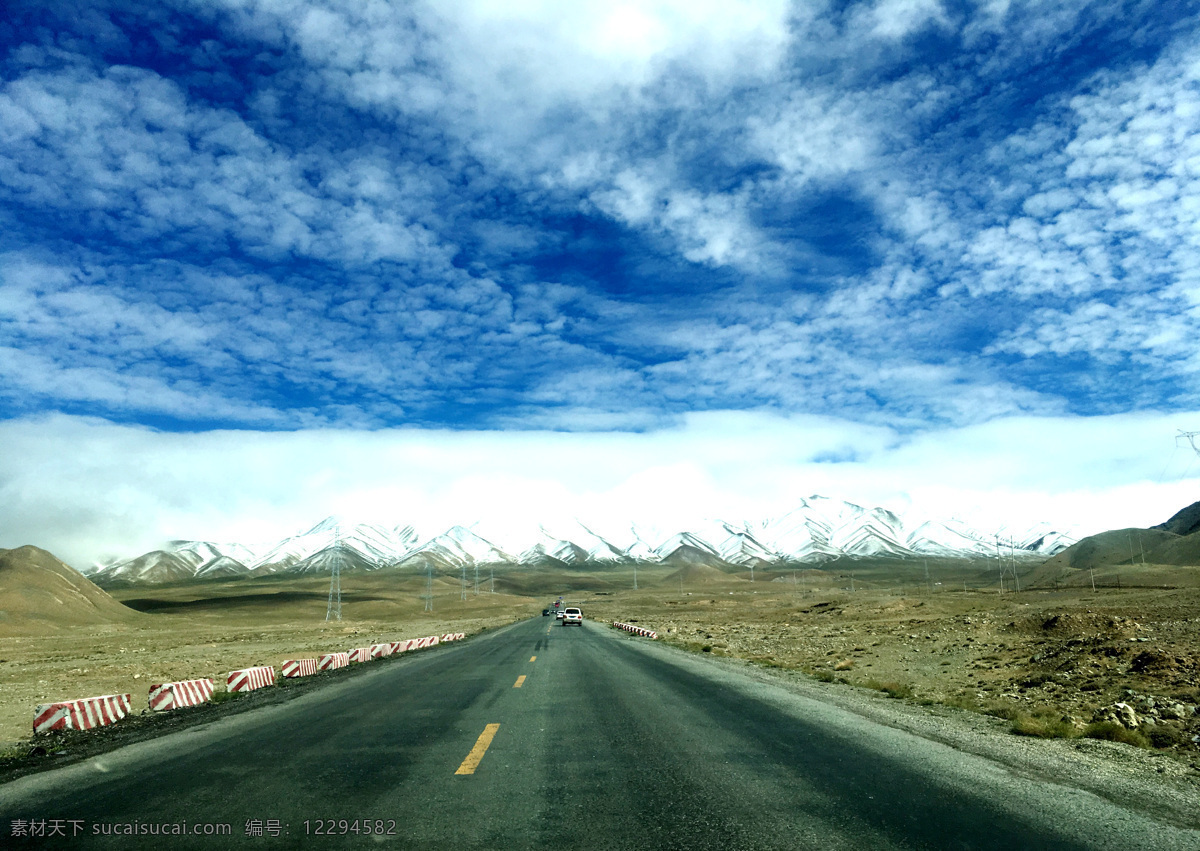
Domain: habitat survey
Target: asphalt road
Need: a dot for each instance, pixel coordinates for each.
(543, 736)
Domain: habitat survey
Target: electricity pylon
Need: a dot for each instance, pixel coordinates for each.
(428, 595)
(334, 610)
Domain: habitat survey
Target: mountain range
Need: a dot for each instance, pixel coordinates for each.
(819, 529)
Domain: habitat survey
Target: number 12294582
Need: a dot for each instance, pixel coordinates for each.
(344, 827)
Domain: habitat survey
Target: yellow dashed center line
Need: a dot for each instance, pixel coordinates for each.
(533, 658)
(520, 681)
(472, 761)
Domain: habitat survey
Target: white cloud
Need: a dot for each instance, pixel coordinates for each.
(896, 19)
(129, 146)
(125, 489)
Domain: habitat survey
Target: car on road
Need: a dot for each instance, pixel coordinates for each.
(572, 616)
(559, 614)
(545, 612)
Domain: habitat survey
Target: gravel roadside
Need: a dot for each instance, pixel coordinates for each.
(1133, 778)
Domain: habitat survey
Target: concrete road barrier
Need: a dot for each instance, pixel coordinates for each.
(249, 679)
(379, 651)
(636, 630)
(176, 695)
(333, 661)
(299, 667)
(83, 714)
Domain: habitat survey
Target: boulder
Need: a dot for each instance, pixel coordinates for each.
(1120, 713)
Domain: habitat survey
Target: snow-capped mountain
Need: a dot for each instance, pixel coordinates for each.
(818, 529)
(376, 544)
(458, 546)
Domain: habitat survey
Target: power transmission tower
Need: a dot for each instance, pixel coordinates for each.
(428, 595)
(333, 611)
(1190, 437)
(1000, 562)
(464, 581)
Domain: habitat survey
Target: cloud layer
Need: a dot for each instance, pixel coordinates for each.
(123, 490)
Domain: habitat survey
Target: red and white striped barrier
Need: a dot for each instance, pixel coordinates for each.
(83, 714)
(180, 694)
(636, 630)
(298, 667)
(427, 641)
(454, 636)
(378, 651)
(359, 654)
(333, 661)
(398, 646)
(248, 679)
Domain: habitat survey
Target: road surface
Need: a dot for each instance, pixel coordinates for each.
(544, 736)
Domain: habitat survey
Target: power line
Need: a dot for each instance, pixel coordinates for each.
(333, 611)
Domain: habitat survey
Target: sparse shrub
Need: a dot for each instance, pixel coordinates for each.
(707, 648)
(822, 675)
(891, 689)
(770, 662)
(1043, 728)
(1003, 710)
(844, 665)
(1166, 736)
(226, 696)
(963, 701)
(1111, 731)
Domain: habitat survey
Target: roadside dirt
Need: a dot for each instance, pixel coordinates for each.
(1049, 662)
(205, 631)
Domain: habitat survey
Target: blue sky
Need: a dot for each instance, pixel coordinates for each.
(906, 217)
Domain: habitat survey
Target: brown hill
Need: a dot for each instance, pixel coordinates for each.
(1183, 522)
(39, 592)
(694, 574)
(1184, 550)
(1119, 547)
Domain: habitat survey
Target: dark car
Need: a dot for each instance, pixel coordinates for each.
(545, 612)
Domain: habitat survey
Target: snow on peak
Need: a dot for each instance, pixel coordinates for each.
(818, 528)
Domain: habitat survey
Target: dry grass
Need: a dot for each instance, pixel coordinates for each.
(1112, 732)
(206, 630)
(891, 689)
(1042, 659)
